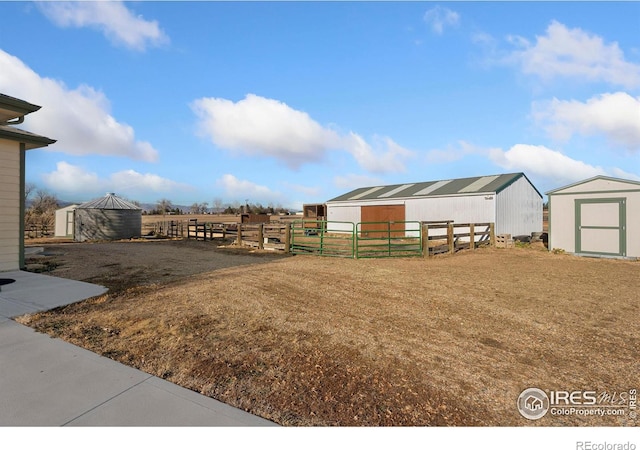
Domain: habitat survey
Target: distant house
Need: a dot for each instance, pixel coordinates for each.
(14, 142)
(508, 200)
(599, 216)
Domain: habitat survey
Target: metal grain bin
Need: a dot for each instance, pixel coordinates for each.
(107, 218)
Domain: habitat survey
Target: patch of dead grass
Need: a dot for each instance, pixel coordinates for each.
(314, 341)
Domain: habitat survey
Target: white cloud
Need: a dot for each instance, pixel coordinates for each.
(353, 181)
(262, 126)
(439, 17)
(616, 116)
(309, 191)
(71, 179)
(131, 180)
(542, 162)
(619, 173)
(244, 189)
(267, 127)
(574, 53)
(113, 18)
(452, 153)
(387, 156)
(78, 118)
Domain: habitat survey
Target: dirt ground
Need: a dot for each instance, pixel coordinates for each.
(306, 340)
(126, 264)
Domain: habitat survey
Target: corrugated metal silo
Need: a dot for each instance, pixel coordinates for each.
(108, 218)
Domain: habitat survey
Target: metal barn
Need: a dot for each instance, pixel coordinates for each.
(508, 200)
(599, 216)
(107, 218)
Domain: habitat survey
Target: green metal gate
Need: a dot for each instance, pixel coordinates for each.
(388, 239)
(361, 240)
(319, 237)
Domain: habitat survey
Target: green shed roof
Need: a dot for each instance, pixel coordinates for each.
(459, 186)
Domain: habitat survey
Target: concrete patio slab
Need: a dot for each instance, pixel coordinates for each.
(49, 382)
(32, 292)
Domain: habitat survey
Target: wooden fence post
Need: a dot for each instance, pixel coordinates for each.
(450, 241)
(425, 240)
(239, 238)
(492, 234)
(472, 237)
(287, 238)
(261, 236)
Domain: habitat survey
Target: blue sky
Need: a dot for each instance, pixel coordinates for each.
(298, 102)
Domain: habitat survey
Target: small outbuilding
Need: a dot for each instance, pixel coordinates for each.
(599, 216)
(508, 200)
(107, 218)
(65, 221)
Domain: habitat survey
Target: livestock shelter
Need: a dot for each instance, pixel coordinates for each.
(599, 216)
(14, 142)
(65, 221)
(107, 218)
(508, 200)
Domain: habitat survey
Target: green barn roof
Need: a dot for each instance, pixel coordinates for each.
(489, 184)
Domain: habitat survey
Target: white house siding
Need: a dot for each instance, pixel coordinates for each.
(518, 209)
(9, 205)
(562, 210)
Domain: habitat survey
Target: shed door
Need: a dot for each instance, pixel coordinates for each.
(382, 213)
(601, 226)
(69, 230)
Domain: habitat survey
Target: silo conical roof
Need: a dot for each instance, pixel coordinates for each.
(109, 201)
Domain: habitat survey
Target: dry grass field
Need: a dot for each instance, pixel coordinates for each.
(305, 340)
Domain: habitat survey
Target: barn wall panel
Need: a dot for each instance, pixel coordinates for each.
(518, 209)
(467, 209)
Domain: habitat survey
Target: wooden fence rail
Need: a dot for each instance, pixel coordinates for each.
(457, 236)
(437, 237)
(34, 231)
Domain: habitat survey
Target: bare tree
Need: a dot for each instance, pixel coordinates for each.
(217, 205)
(164, 206)
(42, 210)
(199, 208)
(29, 188)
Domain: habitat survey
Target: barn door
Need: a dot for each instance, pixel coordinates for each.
(601, 227)
(372, 216)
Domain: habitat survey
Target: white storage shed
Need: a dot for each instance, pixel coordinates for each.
(599, 216)
(64, 221)
(508, 200)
